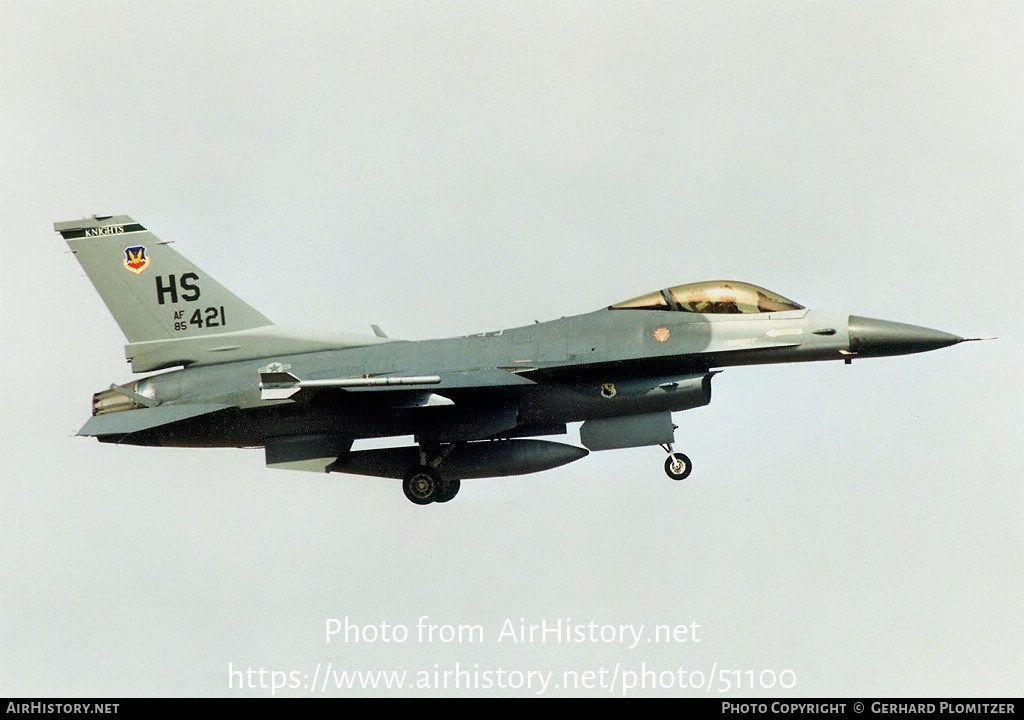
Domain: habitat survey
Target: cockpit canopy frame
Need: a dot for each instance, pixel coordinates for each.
(712, 297)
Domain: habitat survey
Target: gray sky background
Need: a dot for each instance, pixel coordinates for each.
(446, 168)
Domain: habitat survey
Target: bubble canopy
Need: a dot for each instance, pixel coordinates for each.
(718, 297)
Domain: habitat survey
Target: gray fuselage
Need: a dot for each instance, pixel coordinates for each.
(560, 371)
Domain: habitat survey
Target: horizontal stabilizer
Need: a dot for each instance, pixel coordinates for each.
(132, 421)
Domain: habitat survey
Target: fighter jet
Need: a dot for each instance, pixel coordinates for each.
(475, 406)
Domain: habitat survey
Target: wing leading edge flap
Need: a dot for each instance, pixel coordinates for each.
(132, 421)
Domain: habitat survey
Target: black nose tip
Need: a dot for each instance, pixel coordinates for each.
(873, 338)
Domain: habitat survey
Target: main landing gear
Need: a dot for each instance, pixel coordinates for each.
(423, 484)
(677, 465)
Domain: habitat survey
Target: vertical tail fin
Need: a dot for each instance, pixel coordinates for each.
(153, 292)
(172, 312)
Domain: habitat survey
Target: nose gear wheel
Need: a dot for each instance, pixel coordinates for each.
(677, 465)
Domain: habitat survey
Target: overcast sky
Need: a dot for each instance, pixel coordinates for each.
(449, 167)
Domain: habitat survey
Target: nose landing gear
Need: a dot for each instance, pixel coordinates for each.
(677, 465)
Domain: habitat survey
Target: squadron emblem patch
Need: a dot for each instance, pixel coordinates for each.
(608, 391)
(661, 334)
(135, 259)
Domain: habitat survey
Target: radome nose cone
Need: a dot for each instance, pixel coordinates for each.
(871, 337)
